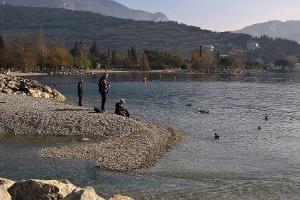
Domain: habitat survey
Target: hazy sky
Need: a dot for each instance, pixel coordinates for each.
(221, 15)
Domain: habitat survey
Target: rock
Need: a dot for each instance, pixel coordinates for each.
(12, 85)
(45, 95)
(47, 89)
(36, 93)
(41, 189)
(85, 139)
(58, 96)
(2, 85)
(121, 197)
(4, 185)
(7, 91)
(87, 193)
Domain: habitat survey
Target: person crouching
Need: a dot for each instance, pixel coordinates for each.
(120, 109)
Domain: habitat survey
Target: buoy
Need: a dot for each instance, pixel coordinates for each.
(217, 136)
(266, 118)
(259, 128)
(145, 80)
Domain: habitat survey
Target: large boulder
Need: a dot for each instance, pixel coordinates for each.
(58, 96)
(87, 193)
(41, 189)
(121, 197)
(4, 185)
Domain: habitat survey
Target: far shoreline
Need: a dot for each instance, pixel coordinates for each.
(94, 72)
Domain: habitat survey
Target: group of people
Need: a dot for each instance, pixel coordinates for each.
(103, 89)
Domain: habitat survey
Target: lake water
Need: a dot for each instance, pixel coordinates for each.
(246, 163)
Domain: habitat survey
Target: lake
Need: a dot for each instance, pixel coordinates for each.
(246, 163)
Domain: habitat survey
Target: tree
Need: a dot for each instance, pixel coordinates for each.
(292, 60)
(81, 55)
(95, 55)
(39, 45)
(58, 57)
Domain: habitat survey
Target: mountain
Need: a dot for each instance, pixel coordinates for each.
(67, 27)
(104, 7)
(288, 30)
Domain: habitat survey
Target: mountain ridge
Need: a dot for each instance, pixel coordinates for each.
(104, 7)
(278, 29)
(67, 27)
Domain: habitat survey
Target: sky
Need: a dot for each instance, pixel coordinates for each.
(221, 15)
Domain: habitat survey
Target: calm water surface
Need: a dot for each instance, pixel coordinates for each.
(244, 164)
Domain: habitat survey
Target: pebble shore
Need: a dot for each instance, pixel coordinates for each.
(115, 142)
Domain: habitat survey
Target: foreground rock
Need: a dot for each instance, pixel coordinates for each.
(10, 85)
(48, 190)
(4, 185)
(116, 143)
(82, 194)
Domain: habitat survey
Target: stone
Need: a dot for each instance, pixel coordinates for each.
(87, 193)
(4, 185)
(121, 197)
(41, 189)
(36, 93)
(7, 91)
(85, 139)
(47, 89)
(12, 85)
(45, 95)
(58, 96)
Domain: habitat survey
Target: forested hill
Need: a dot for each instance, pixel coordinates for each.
(67, 27)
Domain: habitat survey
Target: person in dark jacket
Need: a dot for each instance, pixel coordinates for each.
(80, 91)
(24, 88)
(120, 109)
(103, 90)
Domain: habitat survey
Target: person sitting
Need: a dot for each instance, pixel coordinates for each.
(120, 109)
(24, 88)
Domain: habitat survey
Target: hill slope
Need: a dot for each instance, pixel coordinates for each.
(105, 7)
(288, 30)
(67, 27)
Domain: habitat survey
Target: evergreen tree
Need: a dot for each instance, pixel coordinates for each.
(95, 54)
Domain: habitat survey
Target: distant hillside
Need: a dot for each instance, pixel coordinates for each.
(104, 7)
(288, 30)
(67, 27)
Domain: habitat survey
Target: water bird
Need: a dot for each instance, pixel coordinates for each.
(266, 118)
(189, 105)
(204, 111)
(217, 136)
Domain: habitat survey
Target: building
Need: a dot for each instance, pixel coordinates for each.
(252, 46)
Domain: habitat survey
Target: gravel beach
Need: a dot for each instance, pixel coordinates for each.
(116, 143)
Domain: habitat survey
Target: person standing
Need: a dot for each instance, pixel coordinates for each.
(80, 91)
(103, 90)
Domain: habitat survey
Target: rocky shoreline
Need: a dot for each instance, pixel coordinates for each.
(48, 190)
(10, 85)
(112, 142)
